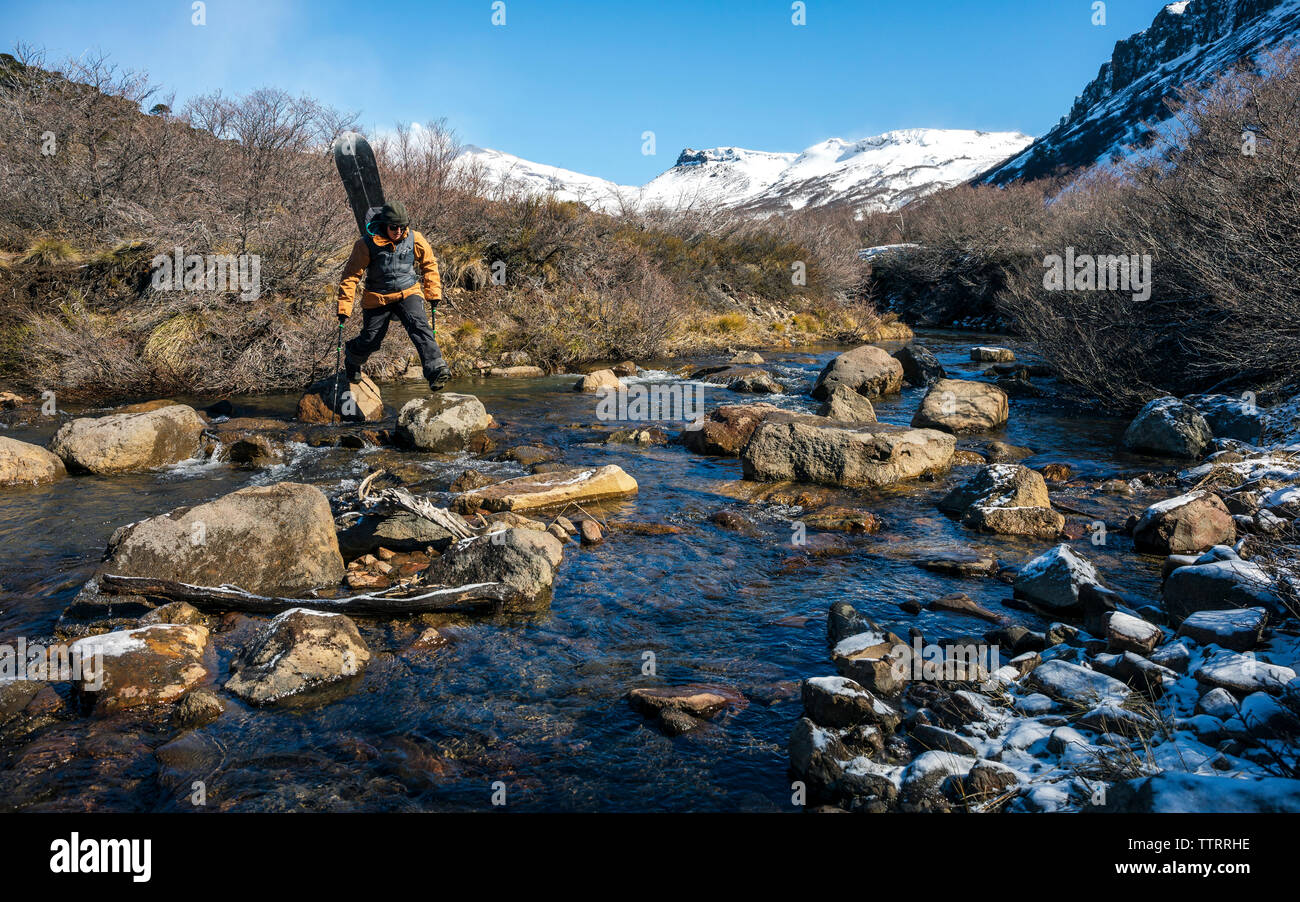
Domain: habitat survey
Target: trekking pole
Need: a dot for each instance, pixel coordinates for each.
(338, 359)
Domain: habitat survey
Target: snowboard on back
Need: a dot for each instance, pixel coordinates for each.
(356, 164)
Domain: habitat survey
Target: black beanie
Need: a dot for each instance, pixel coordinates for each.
(393, 214)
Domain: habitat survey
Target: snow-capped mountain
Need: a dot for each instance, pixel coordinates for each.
(1189, 41)
(517, 176)
(879, 173)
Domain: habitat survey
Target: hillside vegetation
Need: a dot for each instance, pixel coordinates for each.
(1212, 199)
(102, 175)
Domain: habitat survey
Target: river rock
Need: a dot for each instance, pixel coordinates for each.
(298, 650)
(357, 402)
(739, 379)
(1230, 417)
(272, 540)
(1007, 499)
(678, 710)
(1178, 792)
(1236, 629)
(875, 660)
(22, 463)
(840, 702)
(600, 380)
(444, 422)
(794, 448)
(125, 442)
(1169, 428)
(199, 708)
(844, 405)
(1242, 674)
(516, 372)
(747, 358)
(867, 370)
(1053, 579)
(1124, 632)
(961, 406)
(986, 354)
(1211, 585)
(726, 430)
(576, 485)
(523, 560)
(144, 666)
(1190, 523)
(920, 366)
(402, 531)
(1077, 685)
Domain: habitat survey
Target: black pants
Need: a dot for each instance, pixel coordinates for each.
(374, 326)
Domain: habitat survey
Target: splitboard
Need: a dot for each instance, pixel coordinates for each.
(356, 164)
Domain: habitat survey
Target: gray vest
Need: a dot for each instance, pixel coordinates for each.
(392, 266)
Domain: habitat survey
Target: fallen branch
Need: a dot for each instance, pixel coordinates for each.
(471, 597)
(405, 500)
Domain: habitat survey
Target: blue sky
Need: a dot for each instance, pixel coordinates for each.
(575, 83)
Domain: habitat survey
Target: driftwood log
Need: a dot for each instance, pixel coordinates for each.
(478, 597)
(391, 499)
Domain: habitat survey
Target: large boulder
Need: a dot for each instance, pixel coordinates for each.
(523, 560)
(334, 399)
(1230, 417)
(148, 665)
(1007, 499)
(577, 485)
(273, 540)
(1053, 579)
(868, 370)
(124, 442)
(298, 650)
(726, 430)
(1190, 523)
(445, 422)
(1213, 585)
(794, 448)
(22, 463)
(1169, 428)
(920, 366)
(961, 406)
(844, 405)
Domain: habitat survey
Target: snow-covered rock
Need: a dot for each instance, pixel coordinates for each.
(1238, 629)
(1168, 427)
(1053, 579)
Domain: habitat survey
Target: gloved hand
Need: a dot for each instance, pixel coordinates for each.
(343, 318)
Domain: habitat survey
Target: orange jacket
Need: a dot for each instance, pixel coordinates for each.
(430, 284)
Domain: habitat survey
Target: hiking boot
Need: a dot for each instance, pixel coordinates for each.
(439, 380)
(354, 373)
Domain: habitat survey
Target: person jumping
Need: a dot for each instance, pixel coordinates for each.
(401, 274)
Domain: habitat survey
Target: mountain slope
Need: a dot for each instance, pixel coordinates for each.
(1188, 41)
(879, 173)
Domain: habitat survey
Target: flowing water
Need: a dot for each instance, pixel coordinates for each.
(537, 705)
